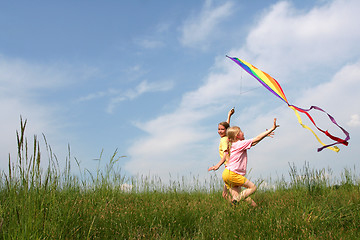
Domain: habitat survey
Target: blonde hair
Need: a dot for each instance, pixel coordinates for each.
(232, 132)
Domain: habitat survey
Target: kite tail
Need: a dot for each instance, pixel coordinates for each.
(329, 146)
(273, 86)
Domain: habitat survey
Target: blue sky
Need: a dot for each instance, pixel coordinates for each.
(150, 79)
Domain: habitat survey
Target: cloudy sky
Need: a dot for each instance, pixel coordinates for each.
(150, 79)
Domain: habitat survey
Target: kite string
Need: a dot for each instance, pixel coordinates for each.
(242, 85)
(240, 89)
(241, 82)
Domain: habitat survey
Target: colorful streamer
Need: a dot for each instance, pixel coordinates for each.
(273, 86)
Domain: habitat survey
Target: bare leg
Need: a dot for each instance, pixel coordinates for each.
(251, 202)
(235, 192)
(226, 194)
(244, 195)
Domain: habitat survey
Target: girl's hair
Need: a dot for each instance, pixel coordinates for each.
(232, 132)
(225, 124)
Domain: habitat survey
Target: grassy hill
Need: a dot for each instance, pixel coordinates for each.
(38, 203)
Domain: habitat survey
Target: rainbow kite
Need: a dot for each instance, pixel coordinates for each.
(273, 86)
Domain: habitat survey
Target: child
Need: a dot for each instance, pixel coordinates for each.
(222, 127)
(234, 172)
(224, 142)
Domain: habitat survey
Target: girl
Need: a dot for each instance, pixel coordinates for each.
(224, 144)
(235, 170)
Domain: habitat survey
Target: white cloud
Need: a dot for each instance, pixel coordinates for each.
(21, 82)
(162, 27)
(140, 89)
(116, 96)
(145, 87)
(149, 43)
(301, 41)
(20, 78)
(173, 140)
(155, 39)
(97, 95)
(285, 41)
(198, 30)
(354, 120)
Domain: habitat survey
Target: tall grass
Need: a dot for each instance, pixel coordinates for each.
(42, 201)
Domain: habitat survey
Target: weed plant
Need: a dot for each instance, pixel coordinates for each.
(50, 203)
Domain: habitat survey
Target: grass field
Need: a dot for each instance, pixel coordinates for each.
(38, 203)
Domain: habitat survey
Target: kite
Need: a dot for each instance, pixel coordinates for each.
(273, 86)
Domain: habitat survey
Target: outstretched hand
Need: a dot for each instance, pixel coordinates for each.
(213, 168)
(275, 125)
(270, 134)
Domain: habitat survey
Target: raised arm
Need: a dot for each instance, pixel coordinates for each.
(261, 136)
(231, 112)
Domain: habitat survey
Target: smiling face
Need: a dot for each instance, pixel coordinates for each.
(221, 130)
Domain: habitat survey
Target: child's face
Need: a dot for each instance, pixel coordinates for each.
(241, 136)
(221, 130)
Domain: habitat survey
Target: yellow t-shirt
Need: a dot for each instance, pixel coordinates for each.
(223, 146)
